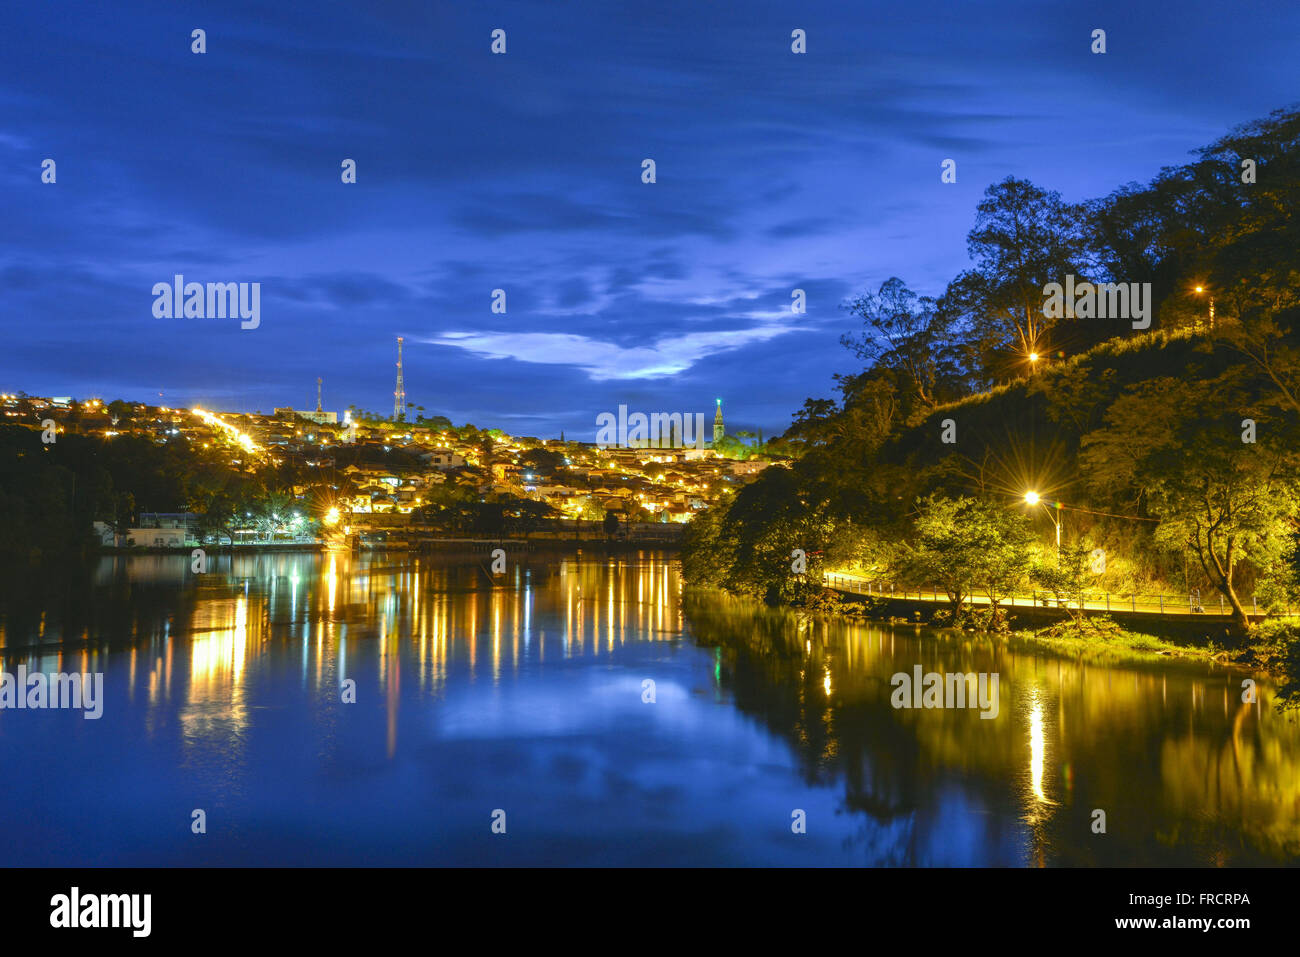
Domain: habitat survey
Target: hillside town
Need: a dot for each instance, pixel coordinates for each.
(323, 471)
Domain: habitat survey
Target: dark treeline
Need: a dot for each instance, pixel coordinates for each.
(52, 493)
(1173, 448)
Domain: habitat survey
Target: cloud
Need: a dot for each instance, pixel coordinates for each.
(603, 360)
(349, 290)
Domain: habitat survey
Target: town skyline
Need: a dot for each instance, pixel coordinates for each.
(416, 414)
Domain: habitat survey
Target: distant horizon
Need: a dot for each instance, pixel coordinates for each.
(214, 408)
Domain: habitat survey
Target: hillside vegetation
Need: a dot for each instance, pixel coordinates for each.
(1173, 450)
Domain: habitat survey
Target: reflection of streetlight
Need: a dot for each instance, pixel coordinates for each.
(1032, 498)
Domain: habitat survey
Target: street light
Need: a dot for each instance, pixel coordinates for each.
(1200, 290)
(1032, 498)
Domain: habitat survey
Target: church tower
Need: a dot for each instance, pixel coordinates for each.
(718, 430)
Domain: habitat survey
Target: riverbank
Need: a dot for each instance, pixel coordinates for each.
(1106, 642)
(1271, 650)
(481, 547)
(449, 546)
(111, 550)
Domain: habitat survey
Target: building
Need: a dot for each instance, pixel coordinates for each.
(441, 459)
(164, 529)
(319, 417)
(156, 537)
(718, 430)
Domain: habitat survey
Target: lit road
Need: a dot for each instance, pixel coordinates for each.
(1166, 605)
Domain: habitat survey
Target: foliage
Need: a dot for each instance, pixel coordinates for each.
(1174, 448)
(1229, 503)
(905, 334)
(965, 544)
(1067, 579)
(1277, 647)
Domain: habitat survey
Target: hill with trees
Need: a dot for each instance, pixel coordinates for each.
(1173, 450)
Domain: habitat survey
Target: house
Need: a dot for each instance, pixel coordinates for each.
(156, 537)
(176, 528)
(443, 459)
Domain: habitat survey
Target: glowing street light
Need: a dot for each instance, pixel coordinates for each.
(1200, 290)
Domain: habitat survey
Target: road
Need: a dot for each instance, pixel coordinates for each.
(1174, 606)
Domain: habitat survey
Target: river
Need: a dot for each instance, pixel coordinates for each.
(590, 709)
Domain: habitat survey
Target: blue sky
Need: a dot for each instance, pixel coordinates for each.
(523, 172)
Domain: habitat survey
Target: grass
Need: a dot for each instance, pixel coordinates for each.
(1101, 638)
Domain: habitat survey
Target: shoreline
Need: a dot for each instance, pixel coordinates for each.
(1103, 640)
(443, 546)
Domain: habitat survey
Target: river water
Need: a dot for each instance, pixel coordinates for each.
(511, 719)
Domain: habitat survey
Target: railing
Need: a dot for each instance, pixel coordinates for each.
(1104, 601)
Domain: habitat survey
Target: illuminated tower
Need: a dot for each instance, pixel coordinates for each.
(318, 408)
(399, 395)
(718, 430)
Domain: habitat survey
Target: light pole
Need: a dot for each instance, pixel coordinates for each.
(1032, 498)
(1199, 291)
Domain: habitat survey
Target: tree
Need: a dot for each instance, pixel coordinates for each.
(814, 423)
(964, 543)
(120, 412)
(706, 555)
(1269, 339)
(1067, 579)
(1230, 504)
(543, 461)
(439, 422)
(1024, 237)
(906, 334)
(1006, 557)
(524, 516)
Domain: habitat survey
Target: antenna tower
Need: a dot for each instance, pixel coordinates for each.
(399, 395)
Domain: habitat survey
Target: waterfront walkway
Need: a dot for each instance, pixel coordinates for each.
(1157, 606)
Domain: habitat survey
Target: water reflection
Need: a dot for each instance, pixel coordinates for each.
(1179, 781)
(478, 688)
